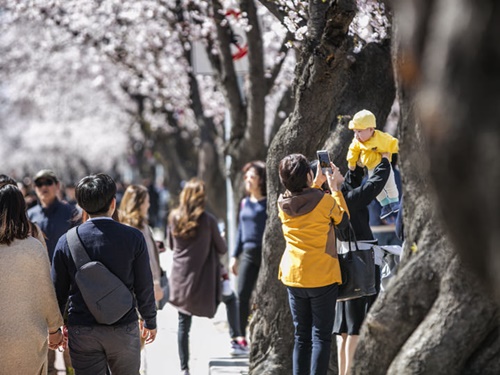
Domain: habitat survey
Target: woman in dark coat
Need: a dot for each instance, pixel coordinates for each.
(194, 237)
(349, 315)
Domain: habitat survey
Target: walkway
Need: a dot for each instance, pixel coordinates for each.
(209, 347)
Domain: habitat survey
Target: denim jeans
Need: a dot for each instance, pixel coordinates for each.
(183, 339)
(313, 314)
(233, 318)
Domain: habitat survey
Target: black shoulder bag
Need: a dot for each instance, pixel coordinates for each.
(358, 272)
(105, 295)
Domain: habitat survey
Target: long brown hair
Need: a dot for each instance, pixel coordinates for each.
(130, 207)
(184, 219)
(13, 220)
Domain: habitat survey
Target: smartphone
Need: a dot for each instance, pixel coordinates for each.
(324, 161)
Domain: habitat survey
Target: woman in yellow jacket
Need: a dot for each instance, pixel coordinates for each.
(309, 266)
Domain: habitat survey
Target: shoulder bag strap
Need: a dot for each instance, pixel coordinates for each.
(80, 256)
(351, 231)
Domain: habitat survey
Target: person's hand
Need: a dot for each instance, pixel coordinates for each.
(234, 265)
(335, 179)
(320, 178)
(55, 339)
(148, 334)
(386, 155)
(158, 292)
(64, 344)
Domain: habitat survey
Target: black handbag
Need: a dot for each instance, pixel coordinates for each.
(358, 272)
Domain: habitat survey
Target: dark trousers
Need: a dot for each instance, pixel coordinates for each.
(313, 313)
(96, 349)
(51, 360)
(247, 277)
(183, 339)
(232, 311)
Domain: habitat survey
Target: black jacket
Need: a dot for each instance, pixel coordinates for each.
(122, 249)
(358, 196)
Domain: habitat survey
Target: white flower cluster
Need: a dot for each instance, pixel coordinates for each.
(370, 25)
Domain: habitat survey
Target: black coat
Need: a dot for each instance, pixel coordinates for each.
(358, 196)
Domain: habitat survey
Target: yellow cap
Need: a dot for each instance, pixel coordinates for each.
(363, 120)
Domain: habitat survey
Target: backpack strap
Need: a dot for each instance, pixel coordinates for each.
(80, 256)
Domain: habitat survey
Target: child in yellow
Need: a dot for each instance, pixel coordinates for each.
(366, 150)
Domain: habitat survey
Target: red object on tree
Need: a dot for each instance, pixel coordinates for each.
(241, 51)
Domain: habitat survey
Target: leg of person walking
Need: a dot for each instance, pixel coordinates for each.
(247, 277)
(238, 344)
(232, 311)
(87, 355)
(122, 345)
(51, 362)
(323, 302)
(300, 309)
(341, 352)
(183, 339)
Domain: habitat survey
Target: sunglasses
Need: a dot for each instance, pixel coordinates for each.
(44, 183)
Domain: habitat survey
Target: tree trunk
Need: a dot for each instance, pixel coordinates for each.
(327, 85)
(437, 316)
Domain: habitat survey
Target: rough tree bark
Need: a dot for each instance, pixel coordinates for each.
(438, 317)
(327, 85)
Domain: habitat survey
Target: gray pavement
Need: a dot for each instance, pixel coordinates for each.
(209, 347)
(209, 343)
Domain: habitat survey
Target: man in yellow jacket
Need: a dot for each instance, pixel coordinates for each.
(309, 266)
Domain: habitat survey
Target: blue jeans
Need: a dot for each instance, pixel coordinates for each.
(313, 314)
(183, 339)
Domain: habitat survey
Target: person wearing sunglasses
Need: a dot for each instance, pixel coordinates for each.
(54, 218)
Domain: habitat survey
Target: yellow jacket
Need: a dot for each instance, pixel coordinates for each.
(370, 152)
(310, 257)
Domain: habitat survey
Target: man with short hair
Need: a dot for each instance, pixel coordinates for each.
(52, 216)
(94, 347)
(54, 219)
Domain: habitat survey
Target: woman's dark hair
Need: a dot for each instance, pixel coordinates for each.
(13, 220)
(294, 170)
(4, 179)
(95, 193)
(260, 168)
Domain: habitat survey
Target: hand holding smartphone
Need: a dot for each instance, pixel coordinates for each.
(324, 161)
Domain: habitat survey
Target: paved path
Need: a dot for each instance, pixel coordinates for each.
(209, 343)
(209, 347)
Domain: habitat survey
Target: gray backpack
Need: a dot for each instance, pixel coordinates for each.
(105, 295)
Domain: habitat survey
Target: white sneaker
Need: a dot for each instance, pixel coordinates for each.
(237, 350)
(226, 288)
